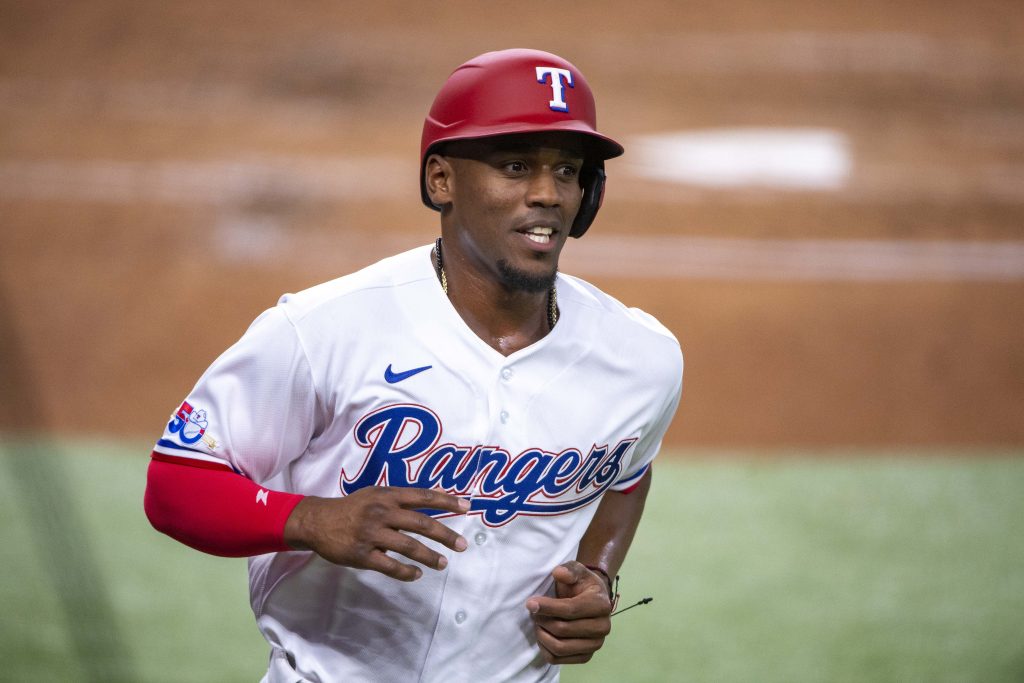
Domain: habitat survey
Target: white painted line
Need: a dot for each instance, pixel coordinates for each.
(197, 182)
(112, 101)
(780, 158)
(678, 257)
(815, 52)
(229, 185)
(666, 257)
(239, 181)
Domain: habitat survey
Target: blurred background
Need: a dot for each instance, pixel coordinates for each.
(823, 201)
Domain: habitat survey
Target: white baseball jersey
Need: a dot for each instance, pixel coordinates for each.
(374, 379)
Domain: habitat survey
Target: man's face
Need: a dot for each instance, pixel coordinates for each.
(513, 202)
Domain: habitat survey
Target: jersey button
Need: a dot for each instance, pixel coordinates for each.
(507, 373)
(460, 616)
(504, 416)
(480, 538)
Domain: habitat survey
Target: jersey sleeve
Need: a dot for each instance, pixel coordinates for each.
(649, 444)
(254, 409)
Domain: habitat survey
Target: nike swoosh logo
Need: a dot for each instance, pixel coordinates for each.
(392, 377)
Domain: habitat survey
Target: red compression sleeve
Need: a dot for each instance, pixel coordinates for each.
(210, 508)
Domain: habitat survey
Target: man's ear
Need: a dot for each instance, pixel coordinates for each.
(437, 176)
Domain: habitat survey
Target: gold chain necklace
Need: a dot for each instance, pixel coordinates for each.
(552, 293)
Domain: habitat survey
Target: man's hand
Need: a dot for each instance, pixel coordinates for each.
(357, 530)
(571, 626)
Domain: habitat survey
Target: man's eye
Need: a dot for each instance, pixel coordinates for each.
(515, 167)
(568, 171)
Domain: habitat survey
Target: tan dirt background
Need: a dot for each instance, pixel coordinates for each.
(167, 170)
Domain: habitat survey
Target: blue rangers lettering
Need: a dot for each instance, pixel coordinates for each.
(402, 450)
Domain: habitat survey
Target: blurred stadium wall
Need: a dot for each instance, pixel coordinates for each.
(823, 201)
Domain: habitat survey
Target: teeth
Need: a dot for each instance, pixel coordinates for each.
(540, 234)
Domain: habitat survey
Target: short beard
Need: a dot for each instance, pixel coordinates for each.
(520, 281)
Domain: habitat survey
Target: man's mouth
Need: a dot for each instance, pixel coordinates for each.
(539, 234)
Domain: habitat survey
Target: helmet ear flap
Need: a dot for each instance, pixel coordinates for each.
(592, 179)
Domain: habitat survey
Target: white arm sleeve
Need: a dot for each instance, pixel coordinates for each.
(650, 443)
(254, 407)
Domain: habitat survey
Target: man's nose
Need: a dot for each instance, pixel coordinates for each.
(543, 189)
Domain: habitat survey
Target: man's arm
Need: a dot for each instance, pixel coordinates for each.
(571, 626)
(211, 508)
(611, 532)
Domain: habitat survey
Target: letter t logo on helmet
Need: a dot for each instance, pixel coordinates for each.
(496, 94)
(559, 79)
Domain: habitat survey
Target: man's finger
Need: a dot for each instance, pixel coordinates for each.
(379, 561)
(569, 648)
(419, 523)
(429, 499)
(407, 546)
(595, 627)
(573, 578)
(575, 659)
(577, 607)
(569, 572)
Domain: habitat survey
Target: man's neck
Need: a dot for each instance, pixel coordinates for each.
(505, 320)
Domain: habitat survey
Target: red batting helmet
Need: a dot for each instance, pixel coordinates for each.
(520, 91)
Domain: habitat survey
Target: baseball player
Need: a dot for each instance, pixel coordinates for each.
(436, 464)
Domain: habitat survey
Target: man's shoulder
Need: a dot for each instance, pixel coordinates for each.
(607, 310)
(607, 332)
(365, 287)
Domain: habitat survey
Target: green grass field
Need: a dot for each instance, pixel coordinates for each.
(852, 567)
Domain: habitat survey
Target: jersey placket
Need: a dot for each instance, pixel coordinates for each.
(473, 589)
